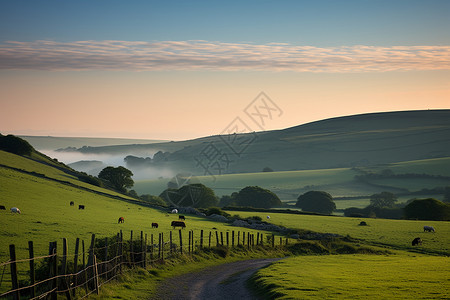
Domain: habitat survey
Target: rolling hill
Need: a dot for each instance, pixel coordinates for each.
(343, 142)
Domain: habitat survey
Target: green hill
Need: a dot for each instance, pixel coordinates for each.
(344, 142)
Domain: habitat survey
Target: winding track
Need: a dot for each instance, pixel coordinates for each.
(225, 281)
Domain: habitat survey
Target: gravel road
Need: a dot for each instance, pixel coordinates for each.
(225, 281)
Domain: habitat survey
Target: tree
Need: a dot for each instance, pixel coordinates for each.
(383, 199)
(316, 201)
(119, 178)
(256, 196)
(191, 195)
(14, 144)
(427, 209)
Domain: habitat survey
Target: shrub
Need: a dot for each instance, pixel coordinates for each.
(16, 145)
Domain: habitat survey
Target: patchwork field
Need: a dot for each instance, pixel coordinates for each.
(357, 277)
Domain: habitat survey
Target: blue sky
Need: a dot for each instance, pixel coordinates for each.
(185, 69)
(315, 23)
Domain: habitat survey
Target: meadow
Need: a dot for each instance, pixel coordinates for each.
(393, 233)
(401, 276)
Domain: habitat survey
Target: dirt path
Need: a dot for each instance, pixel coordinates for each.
(225, 281)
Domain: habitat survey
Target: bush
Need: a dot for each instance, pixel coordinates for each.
(217, 211)
(256, 196)
(316, 201)
(90, 179)
(428, 209)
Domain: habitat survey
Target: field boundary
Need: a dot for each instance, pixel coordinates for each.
(78, 275)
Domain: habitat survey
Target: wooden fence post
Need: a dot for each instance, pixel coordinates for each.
(181, 242)
(142, 249)
(95, 275)
(32, 270)
(193, 244)
(170, 242)
(232, 238)
(75, 265)
(281, 241)
(84, 268)
(238, 234)
(243, 239)
(145, 252)
(248, 240)
(13, 266)
(90, 265)
(64, 270)
(54, 269)
(189, 242)
(162, 244)
(257, 239)
(151, 247)
(209, 241)
(221, 238)
(131, 249)
(159, 246)
(105, 259)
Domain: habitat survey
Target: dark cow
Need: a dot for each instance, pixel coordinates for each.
(154, 225)
(72, 203)
(428, 228)
(2, 207)
(121, 220)
(80, 206)
(180, 217)
(178, 224)
(362, 223)
(417, 241)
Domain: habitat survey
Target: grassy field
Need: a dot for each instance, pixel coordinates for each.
(395, 233)
(357, 277)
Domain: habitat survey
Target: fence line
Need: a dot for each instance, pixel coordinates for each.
(106, 259)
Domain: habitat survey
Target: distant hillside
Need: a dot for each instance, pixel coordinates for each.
(352, 141)
(54, 143)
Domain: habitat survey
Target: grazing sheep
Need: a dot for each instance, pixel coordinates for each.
(362, 223)
(174, 211)
(2, 207)
(121, 220)
(175, 224)
(417, 241)
(15, 210)
(428, 228)
(72, 203)
(268, 217)
(80, 206)
(181, 217)
(154, 225)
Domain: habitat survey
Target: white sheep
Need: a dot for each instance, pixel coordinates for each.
(15, 210)
(428, 228)
(268, 217)
(174, 211)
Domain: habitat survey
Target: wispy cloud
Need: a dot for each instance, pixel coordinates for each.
(204, 55)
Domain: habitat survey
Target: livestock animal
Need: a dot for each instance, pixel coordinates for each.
(428, 228)
(121, 220)
(80, 206)
(417, 241)
(362, 223)
(154, 225)
(2, 207)
(15, 210)
(175, 224)
(268, 217)
(180, 217)
(174, 211)
(72, 203)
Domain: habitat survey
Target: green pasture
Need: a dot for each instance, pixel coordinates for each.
(395, 233)
(357, 277)
(47, 216)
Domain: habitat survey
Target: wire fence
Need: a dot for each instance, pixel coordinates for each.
(78, 275)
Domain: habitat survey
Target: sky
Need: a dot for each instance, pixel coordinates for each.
(178, 70)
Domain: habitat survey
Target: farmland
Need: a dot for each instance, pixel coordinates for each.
(399, 276)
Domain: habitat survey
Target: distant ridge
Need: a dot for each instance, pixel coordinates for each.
(348, 141)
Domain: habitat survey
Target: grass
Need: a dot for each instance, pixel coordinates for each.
(395, 233)
(356, 276)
